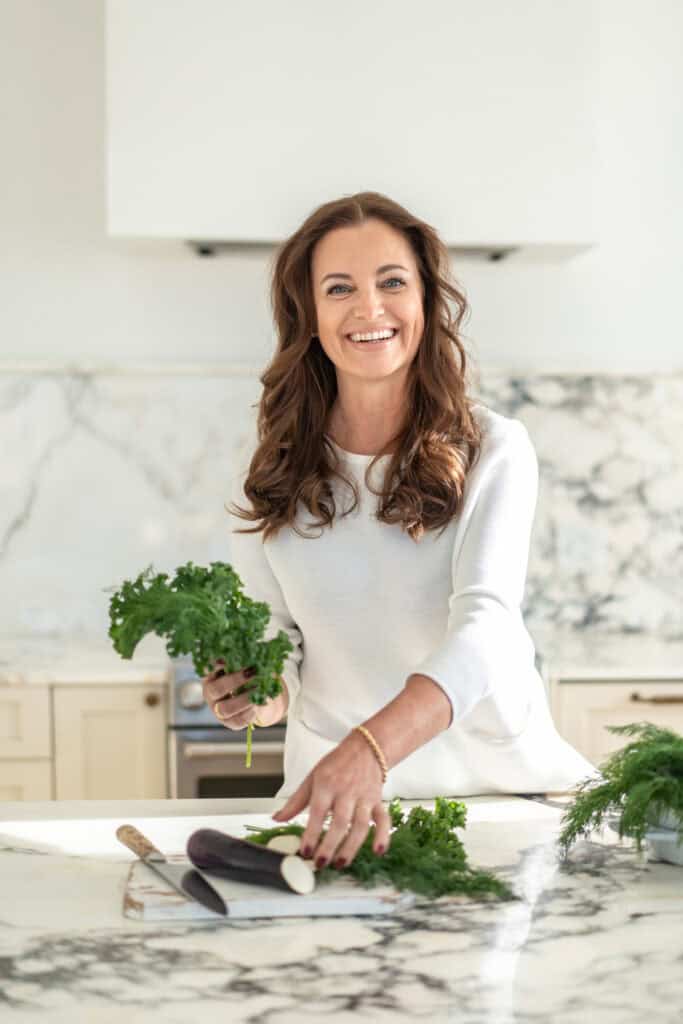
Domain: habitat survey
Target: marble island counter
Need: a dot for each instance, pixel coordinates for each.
(596, 936)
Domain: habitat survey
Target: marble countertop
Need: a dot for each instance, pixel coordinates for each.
(42, 659)
(594, 654)
(597, 935)
(588, 654)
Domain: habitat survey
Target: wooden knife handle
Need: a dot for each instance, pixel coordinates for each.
(139, 844)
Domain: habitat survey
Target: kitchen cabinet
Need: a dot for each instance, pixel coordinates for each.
(233, 121)
(83, 742)
(110, 742)
(25, 743)
(26, 780)
(582, 708)
(78, 721)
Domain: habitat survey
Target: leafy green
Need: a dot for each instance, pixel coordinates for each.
(424, 855)
(642, 780)
(204, 613)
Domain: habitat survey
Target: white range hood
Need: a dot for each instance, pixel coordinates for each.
(227, 124)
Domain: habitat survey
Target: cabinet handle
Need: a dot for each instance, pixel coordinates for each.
(152, 699)
(667, 699)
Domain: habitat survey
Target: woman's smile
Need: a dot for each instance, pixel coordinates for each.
(373, 344)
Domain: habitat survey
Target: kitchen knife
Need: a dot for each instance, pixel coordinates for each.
(184, 877)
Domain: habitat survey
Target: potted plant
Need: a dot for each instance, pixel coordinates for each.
(641, 794)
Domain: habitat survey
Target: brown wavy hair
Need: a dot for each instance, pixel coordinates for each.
(439, 441)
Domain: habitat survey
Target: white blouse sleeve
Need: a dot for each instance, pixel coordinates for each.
(486, 659)
(248, 559)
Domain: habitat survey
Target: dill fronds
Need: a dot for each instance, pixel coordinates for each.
(642, 780)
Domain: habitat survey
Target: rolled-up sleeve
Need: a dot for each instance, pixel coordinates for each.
(248, 559)
(485, 660)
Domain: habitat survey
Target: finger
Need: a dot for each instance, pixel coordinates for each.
(320, 803)
(336, 835)
(220, 686)
(360, 825)
(238, 722)
(296, 803)
(382, 837)
(228, 708)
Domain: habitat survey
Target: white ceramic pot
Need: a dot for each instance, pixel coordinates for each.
(665, 842)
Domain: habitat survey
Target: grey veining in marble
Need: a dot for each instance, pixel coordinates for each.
(104, 474)
(597, 936)
(607, 548)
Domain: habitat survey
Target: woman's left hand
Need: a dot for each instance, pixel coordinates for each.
(348, 783)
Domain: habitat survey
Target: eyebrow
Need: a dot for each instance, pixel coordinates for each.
(380, 270)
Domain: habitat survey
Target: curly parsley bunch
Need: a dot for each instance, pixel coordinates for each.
(425, 855)
(206, 614)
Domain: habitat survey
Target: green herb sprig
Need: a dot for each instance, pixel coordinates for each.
(206, 614)
(424, 855)
(642, 780)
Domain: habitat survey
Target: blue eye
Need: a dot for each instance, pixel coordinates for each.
(400, 281)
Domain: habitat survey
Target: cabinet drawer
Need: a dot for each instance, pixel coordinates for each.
(24, 722)
(25, 780)
(583, 709)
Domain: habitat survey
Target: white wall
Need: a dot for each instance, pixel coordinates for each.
(70, 295)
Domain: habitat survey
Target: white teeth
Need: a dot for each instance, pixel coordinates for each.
(375, 336)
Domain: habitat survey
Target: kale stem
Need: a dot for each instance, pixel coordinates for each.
(250, 728)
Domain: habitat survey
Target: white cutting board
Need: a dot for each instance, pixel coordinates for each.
(147, 897)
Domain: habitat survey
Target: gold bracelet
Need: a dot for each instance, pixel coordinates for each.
(375, 749)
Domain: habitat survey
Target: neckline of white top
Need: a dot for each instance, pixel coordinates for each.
(353, 456)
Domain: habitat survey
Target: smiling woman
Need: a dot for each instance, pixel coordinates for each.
(358, 265)
(412, 673)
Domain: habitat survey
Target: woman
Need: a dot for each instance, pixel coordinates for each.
(404, 608)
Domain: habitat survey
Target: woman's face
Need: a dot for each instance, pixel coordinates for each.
(365, 278)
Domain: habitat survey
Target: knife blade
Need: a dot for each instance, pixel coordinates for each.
(184, 877)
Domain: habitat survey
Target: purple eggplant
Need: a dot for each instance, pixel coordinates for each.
(220, 854)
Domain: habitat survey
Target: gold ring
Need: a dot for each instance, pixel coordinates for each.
(215, 706)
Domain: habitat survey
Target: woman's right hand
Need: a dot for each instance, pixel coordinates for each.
(233, 710)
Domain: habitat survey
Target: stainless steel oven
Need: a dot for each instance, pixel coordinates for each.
(208, 760)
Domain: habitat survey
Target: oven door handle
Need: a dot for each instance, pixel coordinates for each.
(197, 751)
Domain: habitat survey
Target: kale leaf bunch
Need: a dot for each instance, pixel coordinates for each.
(203, 613)
(642, 779)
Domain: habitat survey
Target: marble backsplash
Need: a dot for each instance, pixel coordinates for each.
(105, 473)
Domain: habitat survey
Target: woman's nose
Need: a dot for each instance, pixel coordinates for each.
(369, 306)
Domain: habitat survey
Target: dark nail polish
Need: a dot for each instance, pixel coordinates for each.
(380, 848)
(340, 862)
(321, 862)
(307, 851)
(249, 672)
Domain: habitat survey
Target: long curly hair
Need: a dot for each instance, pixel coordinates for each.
(439, 440)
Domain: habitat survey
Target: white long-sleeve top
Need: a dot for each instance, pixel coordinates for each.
(365, 607)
